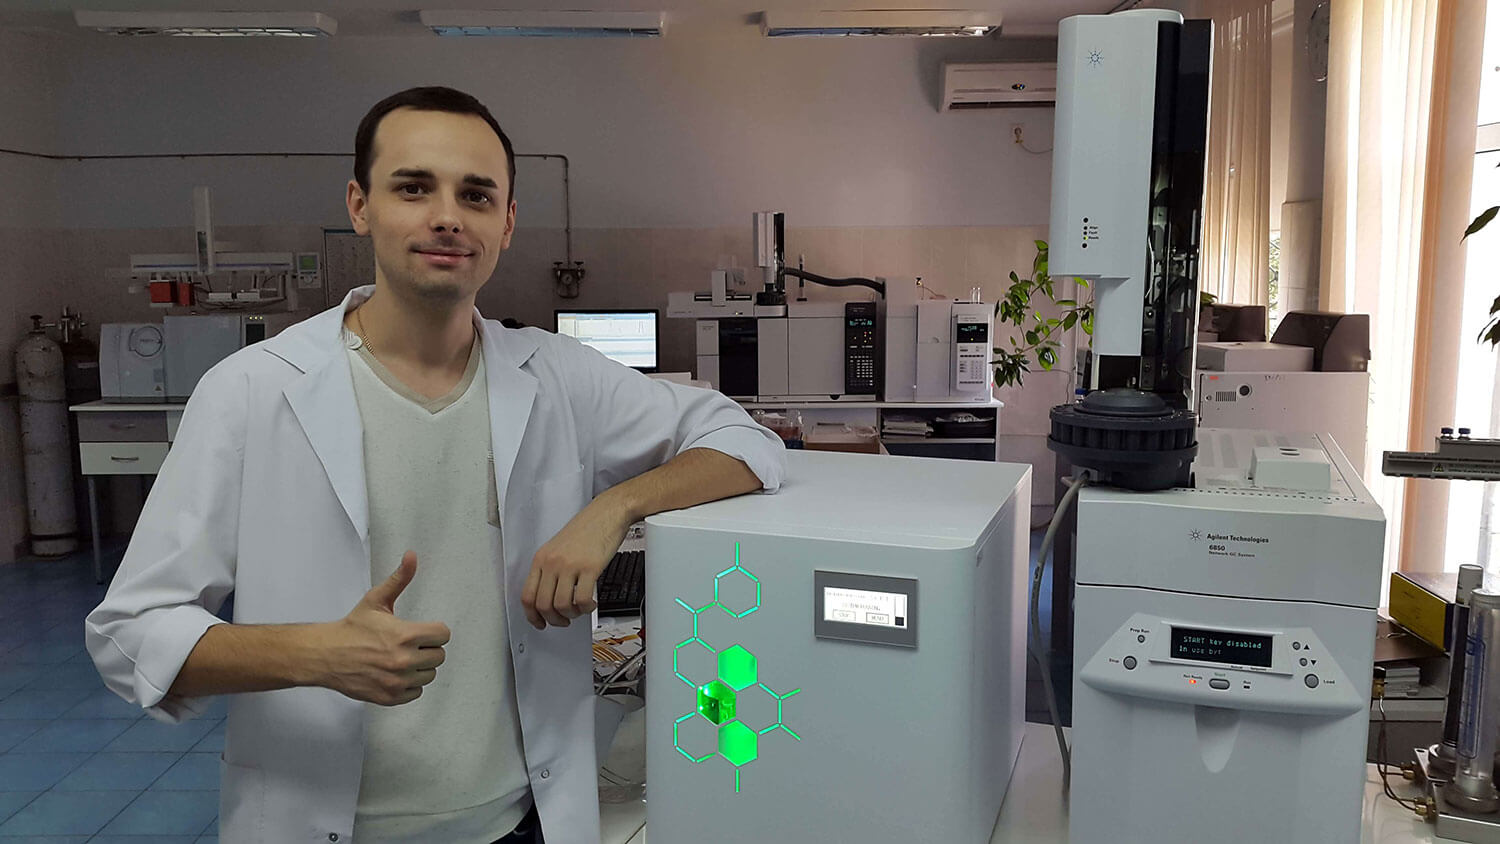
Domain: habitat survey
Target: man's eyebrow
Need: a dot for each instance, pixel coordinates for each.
(419, 173)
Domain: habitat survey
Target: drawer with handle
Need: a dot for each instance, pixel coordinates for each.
(123, 426)
(125, 458)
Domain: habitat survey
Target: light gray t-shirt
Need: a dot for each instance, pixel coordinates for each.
(448, 766)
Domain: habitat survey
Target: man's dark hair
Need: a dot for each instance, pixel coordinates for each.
(425, 99)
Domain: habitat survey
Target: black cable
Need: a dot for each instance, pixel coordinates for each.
(877, 286)
(1380, 763)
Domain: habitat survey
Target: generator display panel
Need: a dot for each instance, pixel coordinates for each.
(1223, 646)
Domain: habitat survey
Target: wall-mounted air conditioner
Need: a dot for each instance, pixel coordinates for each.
(969, 85)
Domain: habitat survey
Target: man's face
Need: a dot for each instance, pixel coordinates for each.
(436, 210)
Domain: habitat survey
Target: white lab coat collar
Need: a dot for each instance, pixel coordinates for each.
(323, 399)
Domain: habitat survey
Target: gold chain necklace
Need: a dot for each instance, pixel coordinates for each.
(364, 336)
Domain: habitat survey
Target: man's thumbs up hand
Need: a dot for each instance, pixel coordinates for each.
(372, 655)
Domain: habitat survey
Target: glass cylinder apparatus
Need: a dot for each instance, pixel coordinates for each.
(1442, 757)
(1473, 786)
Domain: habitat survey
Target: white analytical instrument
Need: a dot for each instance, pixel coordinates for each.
(840, 661)
(1224, 635)
(1225, 581)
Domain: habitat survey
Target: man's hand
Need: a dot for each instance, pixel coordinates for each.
(374, 656)
(563, 572)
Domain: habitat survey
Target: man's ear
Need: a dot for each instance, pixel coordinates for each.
(510, 225)
(358, 206)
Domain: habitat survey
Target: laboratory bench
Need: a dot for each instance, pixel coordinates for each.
(1034, 810)
(121, 439)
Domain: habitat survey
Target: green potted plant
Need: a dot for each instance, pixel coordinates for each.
(1040, 334)
(1491, 332)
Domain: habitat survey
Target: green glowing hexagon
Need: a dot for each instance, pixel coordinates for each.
(681, 661)
(740, 583)
(737, 743)
(716, 702)
(737, 668)
(721, 702)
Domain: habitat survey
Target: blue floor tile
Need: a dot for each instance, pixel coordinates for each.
(118, 772)
(29, 703)
(165, 813)
(193, 772)
(77, 736)
(13, 801)
(105, 704)
(211, 743)
(150, 734)
(13, 677)
(67, 813)
(36, 771)
(41, 653)
(143, 839)
(67, 675)
(13, 732)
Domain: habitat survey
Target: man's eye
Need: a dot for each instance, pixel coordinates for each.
(410, 189)
(478, 197)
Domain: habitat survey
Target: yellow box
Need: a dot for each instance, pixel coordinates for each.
(1422, 603)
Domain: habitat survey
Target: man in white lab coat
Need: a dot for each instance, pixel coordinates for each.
(391, 490)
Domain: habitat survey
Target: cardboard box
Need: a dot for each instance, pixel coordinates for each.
(838, 436)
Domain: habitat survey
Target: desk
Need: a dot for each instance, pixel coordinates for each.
(121, 439)
(1033, 812)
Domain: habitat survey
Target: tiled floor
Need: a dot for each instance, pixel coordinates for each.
(77, 763)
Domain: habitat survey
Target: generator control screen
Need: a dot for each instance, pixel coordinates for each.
(862, 606)
(1221, 646)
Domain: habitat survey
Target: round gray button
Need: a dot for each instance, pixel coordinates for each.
(546, 773)
(1140, 638)
(1303, 660)
(1311, 680)
(1296, 646)
(1129, 663)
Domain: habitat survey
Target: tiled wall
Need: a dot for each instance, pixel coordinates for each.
(47, 269)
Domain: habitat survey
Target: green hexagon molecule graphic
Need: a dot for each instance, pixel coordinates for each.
(737, 743)
(737, 668)
(716, 702)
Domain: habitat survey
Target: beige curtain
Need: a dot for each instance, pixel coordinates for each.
(1237, 196)
(1439, 336)
(1380, 210)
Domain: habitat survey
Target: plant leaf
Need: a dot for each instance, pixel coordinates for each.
(1481, 221)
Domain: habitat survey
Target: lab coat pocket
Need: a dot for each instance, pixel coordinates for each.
(242, 801)
(550, 503)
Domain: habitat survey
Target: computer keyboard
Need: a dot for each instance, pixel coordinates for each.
(622, 586)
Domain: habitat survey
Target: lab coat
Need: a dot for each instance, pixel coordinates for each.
(263, 495)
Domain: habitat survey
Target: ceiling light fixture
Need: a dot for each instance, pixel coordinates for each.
(545, 24)
(210, 24)
(909, 23)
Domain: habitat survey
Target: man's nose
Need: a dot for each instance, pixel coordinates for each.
(445, 217)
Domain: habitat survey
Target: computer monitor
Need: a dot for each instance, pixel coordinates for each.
(624, 336)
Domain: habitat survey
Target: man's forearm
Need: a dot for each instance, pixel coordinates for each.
(693, 477)
(234, 658)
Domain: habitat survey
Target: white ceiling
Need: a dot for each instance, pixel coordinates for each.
(397, 17)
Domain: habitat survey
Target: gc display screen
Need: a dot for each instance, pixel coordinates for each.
(1221, 646)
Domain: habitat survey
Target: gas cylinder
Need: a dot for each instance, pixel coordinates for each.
(52, 517)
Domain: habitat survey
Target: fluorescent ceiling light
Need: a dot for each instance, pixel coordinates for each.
(938, 23)
(546, 24)
(213, 24)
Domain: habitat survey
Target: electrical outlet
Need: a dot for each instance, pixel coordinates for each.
(1018, 132)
